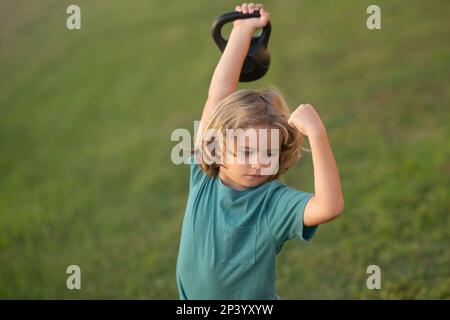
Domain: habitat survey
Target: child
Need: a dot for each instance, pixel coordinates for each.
(237, 217)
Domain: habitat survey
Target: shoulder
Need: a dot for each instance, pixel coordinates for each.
(197, 175)
(280, 195)
(278, 187)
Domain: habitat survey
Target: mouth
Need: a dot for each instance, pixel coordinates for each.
(256, 176)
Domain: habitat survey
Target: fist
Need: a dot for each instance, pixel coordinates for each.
(253, 23)
(306, 120)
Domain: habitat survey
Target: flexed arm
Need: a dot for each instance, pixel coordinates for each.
(328, 201)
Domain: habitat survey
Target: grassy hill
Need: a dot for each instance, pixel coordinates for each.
(86, 118)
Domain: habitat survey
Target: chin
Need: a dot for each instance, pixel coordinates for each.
(251, 182)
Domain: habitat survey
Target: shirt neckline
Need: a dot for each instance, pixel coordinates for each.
(232, 192)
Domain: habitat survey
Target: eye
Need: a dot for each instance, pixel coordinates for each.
(273, 153)
(246, 152)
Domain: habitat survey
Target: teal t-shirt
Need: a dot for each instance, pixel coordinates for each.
(230, 238)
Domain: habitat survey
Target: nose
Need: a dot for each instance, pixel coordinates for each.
(256, 165)
(256, 162)
(259, 162)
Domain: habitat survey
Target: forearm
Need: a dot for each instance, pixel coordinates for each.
(326, 176)
(226, 75)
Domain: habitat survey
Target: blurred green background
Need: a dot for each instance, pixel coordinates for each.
(86, 118)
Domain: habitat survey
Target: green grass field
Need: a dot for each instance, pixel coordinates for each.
(86, 118)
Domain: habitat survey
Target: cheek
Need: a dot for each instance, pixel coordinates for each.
(243, 168)
(238, 169)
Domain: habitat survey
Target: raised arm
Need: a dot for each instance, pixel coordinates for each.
(226, 75)
(328, 201)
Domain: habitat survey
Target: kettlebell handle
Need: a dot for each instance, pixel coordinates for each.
(235, 15)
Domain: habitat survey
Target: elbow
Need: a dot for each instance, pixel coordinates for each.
(335, 210)
(339, 208)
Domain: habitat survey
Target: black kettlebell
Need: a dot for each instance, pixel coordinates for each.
(257, 61)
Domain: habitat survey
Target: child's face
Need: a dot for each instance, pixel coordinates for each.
(252, 159)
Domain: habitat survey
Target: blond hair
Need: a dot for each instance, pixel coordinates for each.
(249, 108)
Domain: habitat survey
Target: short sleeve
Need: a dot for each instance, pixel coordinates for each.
(284, 213)
(196, 173)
